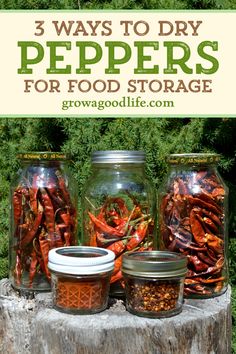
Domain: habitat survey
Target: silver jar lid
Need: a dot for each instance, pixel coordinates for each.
(118, 156)
(158, 264)
(80, 260)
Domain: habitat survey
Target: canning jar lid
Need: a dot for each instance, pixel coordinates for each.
(80, 260)
(42, 155)
(161, 264)
(118, 156)
(193, 158)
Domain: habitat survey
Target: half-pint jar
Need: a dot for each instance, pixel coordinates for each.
(154, 283)
(80, 278)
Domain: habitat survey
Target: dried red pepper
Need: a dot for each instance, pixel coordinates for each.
(44, 217)
(192, 222)
(120, 229)
(105, 228)
(17, 203)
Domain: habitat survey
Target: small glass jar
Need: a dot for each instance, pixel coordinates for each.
(43, 216)
(193, 220)
(154, 282)
(119, 207)
(80, 278)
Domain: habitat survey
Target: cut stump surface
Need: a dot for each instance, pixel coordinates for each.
(32, 326)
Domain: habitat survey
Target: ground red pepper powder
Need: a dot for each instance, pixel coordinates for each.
(74, 294)
(80, 278)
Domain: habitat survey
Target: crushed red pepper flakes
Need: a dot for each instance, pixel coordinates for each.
(149, 296)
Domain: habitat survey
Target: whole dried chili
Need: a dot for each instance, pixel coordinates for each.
(103, 227)
(33, 191)
(138, 235)
(117, 266)
(32, 229)
(63, 188)
(48, 210)
(17, 204)
(39, 226)
(18, 270)
(66, 218)
(120, 229)
(33, 269)
(44, 248)
(192, 221)
(116, 277)
(118, 247)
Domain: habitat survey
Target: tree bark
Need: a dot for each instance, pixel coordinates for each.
(33, 326)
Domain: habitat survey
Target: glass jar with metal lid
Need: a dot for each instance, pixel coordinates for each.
(80, 278)
(119, 206)
(193, 220)
(154, 282)
(43, 216)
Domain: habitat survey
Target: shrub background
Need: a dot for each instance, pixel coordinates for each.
(157, 136)
(79, 137)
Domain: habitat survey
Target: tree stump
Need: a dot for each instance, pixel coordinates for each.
(33, 326)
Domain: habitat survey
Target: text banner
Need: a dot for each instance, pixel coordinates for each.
(103, 63)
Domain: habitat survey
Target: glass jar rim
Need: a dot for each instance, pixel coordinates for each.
(118, 156)
(193, 159)
(42, 156)
(80, 260)
(163, 264)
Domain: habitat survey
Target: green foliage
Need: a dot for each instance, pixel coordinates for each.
(233, 319)
(232, 263)
(117, 4)
(80, 137)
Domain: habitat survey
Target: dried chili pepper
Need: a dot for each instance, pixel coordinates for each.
(118, 247)
(121, 230)
(192, 222)
(40, 225)
(18, 270)
(117, 266)
(66, 217)
(197, 229)
(17, 205)
(138, 236)
(31, 231)
(33, 191)
(116, 277)
(62, 186)
(93, 240)
(48, 210)
(32, 269)
(67, 238)
(105, 227)
(44, 248)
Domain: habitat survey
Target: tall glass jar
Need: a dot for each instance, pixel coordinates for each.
(193, 220)
(119, 206)
(43, 216)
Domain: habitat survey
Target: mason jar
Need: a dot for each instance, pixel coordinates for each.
(80, 278)
(119, 207)
(43, 216)
(154, 283)
(193, 219)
